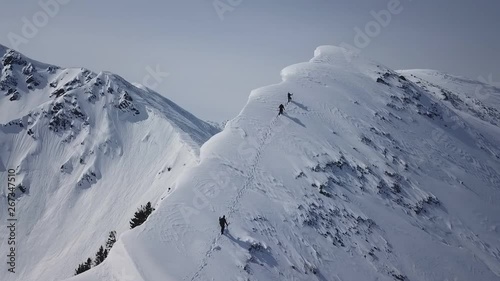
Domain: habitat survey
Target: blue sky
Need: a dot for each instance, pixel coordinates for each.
(214, 61)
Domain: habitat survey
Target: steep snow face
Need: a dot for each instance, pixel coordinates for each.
(88, 150)
(460, 94)
(465, 87)
(363, 178)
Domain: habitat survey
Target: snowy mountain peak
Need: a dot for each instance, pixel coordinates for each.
(70, 90)
(88, 150)
(368, 175)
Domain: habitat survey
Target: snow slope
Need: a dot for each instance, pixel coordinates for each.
(88, 150)
(465, 88)
(467, 98)
(364, 178)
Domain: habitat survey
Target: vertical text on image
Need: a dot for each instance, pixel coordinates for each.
(11, 220)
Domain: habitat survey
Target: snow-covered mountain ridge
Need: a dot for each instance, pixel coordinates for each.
(473, 97)
(88, 150)
(371, 174)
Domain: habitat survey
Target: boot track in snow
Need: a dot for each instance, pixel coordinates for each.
(267, 134)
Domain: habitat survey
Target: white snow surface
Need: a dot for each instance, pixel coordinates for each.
(88, 150)
(370, 174)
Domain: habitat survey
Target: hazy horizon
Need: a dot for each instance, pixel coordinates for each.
(216, 52)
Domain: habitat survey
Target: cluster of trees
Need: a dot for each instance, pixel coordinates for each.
(139, 218)
(100, 256)
(141, 215)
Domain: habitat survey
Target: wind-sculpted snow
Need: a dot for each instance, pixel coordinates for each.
(88, 150)
(363, 178)
(473, 97)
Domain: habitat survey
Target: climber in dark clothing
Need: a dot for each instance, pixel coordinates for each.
(290, 97)
(223, 223)
(281, 108)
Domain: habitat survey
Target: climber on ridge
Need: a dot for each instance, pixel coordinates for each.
(289, 97)
(223, 223)
(281, 108)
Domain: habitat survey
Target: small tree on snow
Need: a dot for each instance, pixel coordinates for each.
(111, 240)
(141, 215)
(84, 266)
(88, 264)
(80, 269)
(100, 256)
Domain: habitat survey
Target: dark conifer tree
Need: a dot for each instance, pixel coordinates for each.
(141, 215)
(100, 256)
(88, 264)
(80, 269)
(84, 266)
(111, 240)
